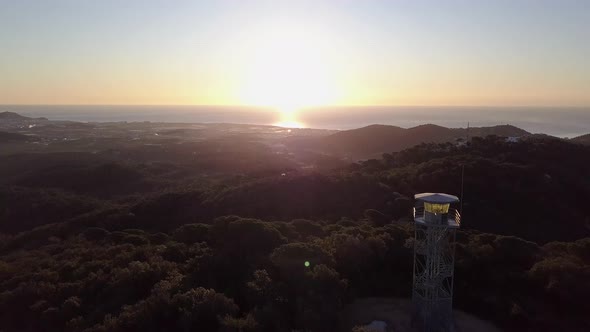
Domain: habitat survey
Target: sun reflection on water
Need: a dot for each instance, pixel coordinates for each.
(289, 124)
(288, 119)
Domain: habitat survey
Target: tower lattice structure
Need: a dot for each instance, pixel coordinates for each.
(434, 259)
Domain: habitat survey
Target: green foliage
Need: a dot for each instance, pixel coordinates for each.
(133, 258)
(158, 238)
(247, 323)
(137, 240)
(191, 233)
(290, 258)
(534, 189)
(246, 275)
(24, 208)
(95, 233)
(246, 236)
(201, 308)
(307, 228)
(376, 218)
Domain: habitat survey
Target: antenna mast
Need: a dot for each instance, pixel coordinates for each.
(462, 185)
(463, 174)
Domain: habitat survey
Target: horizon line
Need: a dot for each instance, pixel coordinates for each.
(308, 107)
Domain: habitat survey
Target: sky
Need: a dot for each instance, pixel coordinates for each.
(294, 54)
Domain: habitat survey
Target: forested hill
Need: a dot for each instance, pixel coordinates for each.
(160, 234)
(584, 139)
(534, 189)
(376, 139)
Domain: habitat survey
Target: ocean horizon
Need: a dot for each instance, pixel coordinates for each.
(556, 121)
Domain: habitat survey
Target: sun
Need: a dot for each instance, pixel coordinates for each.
(288, 70)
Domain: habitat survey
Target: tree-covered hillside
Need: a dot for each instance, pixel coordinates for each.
(196, 236)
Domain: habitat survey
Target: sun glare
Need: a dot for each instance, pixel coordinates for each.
(288, 71)
(288, 119)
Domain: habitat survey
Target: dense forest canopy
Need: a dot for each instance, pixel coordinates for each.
(236, 232)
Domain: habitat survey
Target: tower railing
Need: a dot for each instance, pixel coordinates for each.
(453, 215)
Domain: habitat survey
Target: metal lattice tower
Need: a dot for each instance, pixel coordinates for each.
(434, 260)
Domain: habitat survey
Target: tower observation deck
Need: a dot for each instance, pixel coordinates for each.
(434, 259)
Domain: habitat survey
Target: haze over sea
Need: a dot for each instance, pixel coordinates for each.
(556, 121)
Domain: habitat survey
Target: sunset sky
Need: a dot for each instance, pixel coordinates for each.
(294, 54)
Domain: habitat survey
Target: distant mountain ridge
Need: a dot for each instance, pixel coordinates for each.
(12, 116)
(376, 139)
(366, 142)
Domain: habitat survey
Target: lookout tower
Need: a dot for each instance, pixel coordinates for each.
(434, 260)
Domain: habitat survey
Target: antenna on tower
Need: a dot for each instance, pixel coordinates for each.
(462, 185)
(463, 174)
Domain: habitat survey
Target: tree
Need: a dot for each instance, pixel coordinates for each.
(201, 309)
(377, 218)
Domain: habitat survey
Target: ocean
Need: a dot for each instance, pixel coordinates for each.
(561, 122)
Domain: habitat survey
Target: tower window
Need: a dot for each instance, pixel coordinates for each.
(436, 208)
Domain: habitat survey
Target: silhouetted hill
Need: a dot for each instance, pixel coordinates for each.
(501, 130)
(374, 140)
(584, 139)
(370, 139)
(12, 116)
